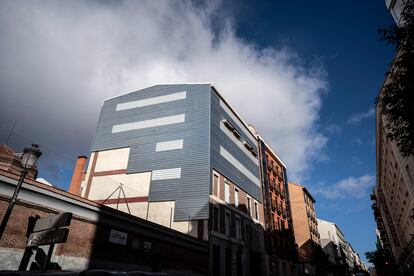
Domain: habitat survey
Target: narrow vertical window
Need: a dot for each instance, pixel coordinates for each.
(215, 184)
(216, 219)
(227, 224)
(238, 228)
(236, 197)
(227, 192)
(256, 210)
(249, 206)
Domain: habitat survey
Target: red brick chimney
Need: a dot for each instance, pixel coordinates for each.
(78, 175)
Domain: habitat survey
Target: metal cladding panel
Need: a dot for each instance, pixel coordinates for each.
(222, 162)
(169, 145)
(190, 188)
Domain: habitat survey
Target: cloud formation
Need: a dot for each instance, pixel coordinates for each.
(357, 117)
(61, 59)
(351, 187)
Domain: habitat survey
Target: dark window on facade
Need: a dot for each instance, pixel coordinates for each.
(215, 219)
(249, 205)
(227, 222)
(256, 210)
(239, 263)
(238, 228)
(228, 261)
(216, 260)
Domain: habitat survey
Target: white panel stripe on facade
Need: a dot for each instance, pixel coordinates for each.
(176, 119)
(169, 145)
(152, 101)
(238, 165)
(238, 143)
(237, 121)
(166, 174)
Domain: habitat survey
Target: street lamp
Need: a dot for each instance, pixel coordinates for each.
(29, 159)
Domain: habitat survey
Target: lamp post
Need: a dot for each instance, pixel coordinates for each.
(29, 159)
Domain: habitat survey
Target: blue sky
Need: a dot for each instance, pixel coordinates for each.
(313, 67)
(343, 36)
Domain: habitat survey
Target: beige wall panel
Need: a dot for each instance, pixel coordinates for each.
(186, 227)
(135, 185)
(138, 209)
(109, 160)
(160, 212)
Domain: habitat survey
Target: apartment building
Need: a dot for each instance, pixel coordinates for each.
(342, 256)
(393, 197)
(279, 239)
(395, 7)
(305, 224)
(180, 156)
(356, 263)
(333, 241)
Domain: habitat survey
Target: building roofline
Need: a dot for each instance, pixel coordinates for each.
(334, 224)
(211, 85)
(153, 85)
(59, 194)
(271, 150)
(324, 220)
(309, 194)
(235, 113)
(47, 187)
(305, 190)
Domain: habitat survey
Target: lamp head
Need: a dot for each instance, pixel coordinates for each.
(30, 156)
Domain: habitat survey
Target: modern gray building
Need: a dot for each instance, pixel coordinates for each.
(180, 156)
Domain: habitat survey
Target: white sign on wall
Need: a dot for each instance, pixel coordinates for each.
(118, 237)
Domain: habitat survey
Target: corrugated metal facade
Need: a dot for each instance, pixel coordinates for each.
(201, 137)
(191, 191)
(219, 139)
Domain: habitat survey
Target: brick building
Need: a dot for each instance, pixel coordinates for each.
(393, 195)
(393, 198)
(279, 238)
(305, 225)
(146, 246)
(12, 162)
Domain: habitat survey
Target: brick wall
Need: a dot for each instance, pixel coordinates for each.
(88, 243)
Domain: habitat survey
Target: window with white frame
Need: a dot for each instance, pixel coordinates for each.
(216, 183)
(226, 192)
(236, 197)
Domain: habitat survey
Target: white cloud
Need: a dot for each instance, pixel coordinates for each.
(61, 59)
(333, 129)
(351, 187)
(357, 117)
(357, 141)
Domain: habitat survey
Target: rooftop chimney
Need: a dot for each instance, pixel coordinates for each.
(77, 175)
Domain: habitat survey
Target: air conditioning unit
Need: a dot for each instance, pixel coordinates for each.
(228, 124)
(247, 145)
(236, 133)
